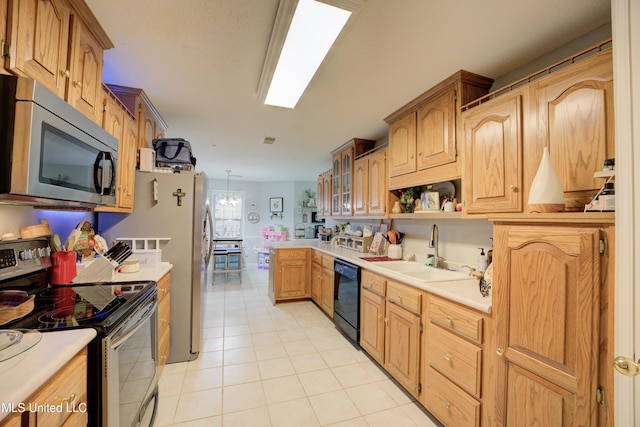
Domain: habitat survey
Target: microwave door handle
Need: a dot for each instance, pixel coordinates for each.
(103, 174)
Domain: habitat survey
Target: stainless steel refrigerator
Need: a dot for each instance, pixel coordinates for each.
(172, 205)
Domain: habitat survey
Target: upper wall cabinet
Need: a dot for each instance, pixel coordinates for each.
(370, 194)
(569, 109)
(323, 196)
(4, 8)
(572, 114)
(60, 44)
(423, 134)
(342, 174)
(493, 156)
(150, 123)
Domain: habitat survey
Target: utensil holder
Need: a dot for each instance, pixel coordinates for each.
(100, 270)
(394, 251)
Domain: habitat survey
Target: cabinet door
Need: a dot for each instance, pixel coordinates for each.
(372, 324)
(361, 187)
(39, 39)
(402, 145)
(326, 191)
(378, 187)
(320, 196)
(545, 307)
(127, 160)
(292, 279)
(402, 346)
(336, 187)
(84, 90)
(327, 291)
(575, 120)
(316, 283)
(436, 131)
(4, 8)
(493, 156)
(146, 128)
(347, 171)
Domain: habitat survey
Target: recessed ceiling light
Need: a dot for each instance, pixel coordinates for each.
(303, 33)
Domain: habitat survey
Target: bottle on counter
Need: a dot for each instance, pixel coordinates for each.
(482, 261)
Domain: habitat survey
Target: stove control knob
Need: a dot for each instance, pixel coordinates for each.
(25, 255)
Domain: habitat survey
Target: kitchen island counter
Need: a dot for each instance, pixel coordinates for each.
(24, 374)
(463, 292)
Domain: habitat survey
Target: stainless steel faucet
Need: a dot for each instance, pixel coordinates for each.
(433, 243)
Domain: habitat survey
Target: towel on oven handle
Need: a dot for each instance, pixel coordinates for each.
(173, 151)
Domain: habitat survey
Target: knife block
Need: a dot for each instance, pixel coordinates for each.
(100, 270)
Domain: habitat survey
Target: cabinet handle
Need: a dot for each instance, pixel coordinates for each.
(446, 405)
(499, 351)
(400, 298)
(419, 153)
(386, 320)
(512, 187)
(447, 357)
(449, 319)
(71, 400)
(64, 73)
(379, 316)
(77, 84)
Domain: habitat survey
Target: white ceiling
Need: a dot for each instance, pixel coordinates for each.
(199, 61)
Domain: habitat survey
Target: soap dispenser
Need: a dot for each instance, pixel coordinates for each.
(482, 261)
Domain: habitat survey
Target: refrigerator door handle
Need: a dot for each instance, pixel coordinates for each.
(210, 249)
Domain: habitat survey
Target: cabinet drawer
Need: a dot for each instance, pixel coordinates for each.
(283, 254)
(67, 387)
(164, 344)
(317, 257)
(163, 286)
(327, 262)
(452, 317)
(455, 358)
(404, 296)
(451, 405)
(374, 283)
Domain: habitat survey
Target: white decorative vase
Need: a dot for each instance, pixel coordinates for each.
(546, 194)
(394, 251)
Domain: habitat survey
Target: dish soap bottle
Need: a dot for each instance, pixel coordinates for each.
(482, 261)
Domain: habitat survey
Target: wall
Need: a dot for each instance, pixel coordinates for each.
(260, 192)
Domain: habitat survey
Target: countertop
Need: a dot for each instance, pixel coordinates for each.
(25, 373)
(463, 292)
(145, 273)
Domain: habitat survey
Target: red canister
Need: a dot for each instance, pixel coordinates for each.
(63, 267)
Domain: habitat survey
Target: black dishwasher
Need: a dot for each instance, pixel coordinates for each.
(346, 296)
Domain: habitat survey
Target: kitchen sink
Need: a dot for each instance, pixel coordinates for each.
(423, 272)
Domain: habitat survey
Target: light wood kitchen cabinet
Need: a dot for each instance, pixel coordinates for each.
(423, 135)
(372, 315)
(150, 124)
(328, 286)
(370, 193)
(164, 320)
(567, 107)
(67, 387)
(572, 114)
(342, 174)
(119, 122)
(323, 195)
(289, 273)
(402, 335)
(60, 44)
(4, 9)
(316, 282)
(452, 373)
(552, 322)
(493, 155)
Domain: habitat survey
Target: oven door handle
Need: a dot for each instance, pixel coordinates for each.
(119, 340)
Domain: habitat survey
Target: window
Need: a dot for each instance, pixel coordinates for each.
(227, 214)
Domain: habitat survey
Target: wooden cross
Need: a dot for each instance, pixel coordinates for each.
(179, 194)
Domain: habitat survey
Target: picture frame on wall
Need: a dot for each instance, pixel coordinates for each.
(276, 204)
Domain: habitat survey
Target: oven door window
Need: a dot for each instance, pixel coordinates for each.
(137, 365)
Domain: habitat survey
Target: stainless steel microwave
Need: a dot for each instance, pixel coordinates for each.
(50, 153)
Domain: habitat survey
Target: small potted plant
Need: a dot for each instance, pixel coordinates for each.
(310, 197)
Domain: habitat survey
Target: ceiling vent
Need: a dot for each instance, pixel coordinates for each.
(269, 140)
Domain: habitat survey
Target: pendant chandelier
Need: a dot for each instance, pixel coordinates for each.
(228, 199)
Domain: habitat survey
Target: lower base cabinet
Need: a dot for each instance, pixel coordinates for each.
(68, 387)
(372, 315)
(164, 320)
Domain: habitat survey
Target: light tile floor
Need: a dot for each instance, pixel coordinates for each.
(276, 367)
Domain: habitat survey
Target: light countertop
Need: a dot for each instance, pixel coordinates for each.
(464, 292)
(145, 273)
(24, 374)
